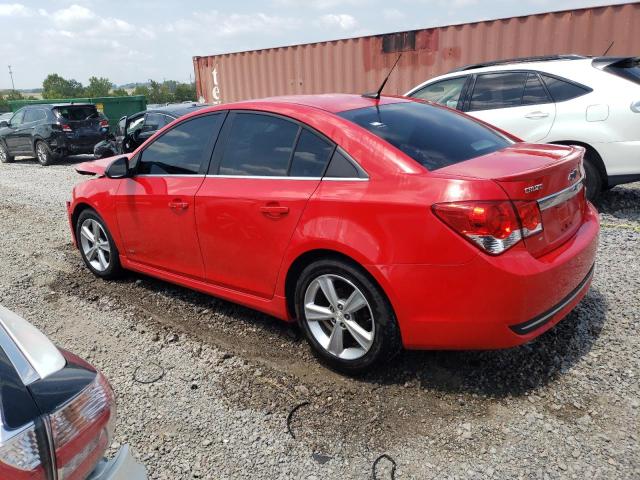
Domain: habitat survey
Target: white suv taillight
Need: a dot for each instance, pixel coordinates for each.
(20, 456)
(82, 430)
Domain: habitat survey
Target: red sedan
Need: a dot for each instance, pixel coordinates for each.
(375, 224)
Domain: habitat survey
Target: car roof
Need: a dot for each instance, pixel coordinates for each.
(177, 109)
(330, 102)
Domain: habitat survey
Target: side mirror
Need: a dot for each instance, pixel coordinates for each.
(119, 168)
(4, 124)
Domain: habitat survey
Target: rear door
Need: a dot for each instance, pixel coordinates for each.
(265, 168)
(155, 208)
(516, 102)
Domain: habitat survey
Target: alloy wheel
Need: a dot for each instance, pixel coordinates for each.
(41, 151)
(95, 244)
(339, 317)
(3, 154)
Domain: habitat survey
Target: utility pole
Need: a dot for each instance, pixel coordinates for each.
(13, 87)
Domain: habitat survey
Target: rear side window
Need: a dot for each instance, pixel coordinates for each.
(311, 156)
(34, 115)
(447, 92)
(433, 136)
(72, 113)
(154, 121)
(562, 90)
(258, 145)
(498, 90)
(534, 92)
(183, 149)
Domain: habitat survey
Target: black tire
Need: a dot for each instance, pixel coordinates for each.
(386, 335)
(593, 180)
(114, 269)
(5, 157)
(44, 155)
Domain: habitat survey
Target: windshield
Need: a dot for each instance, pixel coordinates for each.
(432, 136)
(77, 113)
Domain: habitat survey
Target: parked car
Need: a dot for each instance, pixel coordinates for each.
(132, 131)
(566, 99)
(375, 223)
(57, 413)
(5, 117)
(50, 132)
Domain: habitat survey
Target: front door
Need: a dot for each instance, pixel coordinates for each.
(263, 174)
(155, 208)
(13, 137)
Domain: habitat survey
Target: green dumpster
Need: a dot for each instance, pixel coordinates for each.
(114, 108)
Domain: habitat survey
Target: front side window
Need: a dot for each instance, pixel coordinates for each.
(17, 119)
(432, 136)
(181, 150)
(562, 90)
(446, 92)
(258, 145)
(498, 90)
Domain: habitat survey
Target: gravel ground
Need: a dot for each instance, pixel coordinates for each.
(564, 406)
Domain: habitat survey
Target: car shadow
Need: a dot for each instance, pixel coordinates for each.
(70, 160)
(510, 372)
(621, 202)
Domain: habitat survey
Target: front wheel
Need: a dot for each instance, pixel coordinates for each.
(345, 316)
(5, 157)
(96, 245)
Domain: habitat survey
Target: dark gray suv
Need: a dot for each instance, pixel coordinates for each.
(50, 132)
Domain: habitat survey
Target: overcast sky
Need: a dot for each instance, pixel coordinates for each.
(129, 41)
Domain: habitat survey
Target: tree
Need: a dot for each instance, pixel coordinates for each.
(119, 92)
(98, 87)
(55, 86)
(185, 92)
(142, 90)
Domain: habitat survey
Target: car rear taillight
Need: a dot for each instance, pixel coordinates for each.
(494, 226)
(20, 456)
(104, 123)
(82, 430)
(66, 128)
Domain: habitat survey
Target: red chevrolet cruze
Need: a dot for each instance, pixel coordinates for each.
(376, 224)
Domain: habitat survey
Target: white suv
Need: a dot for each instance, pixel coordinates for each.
(567, 99)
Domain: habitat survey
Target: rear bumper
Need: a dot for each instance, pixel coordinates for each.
(488, 302)
(64, 144)
(121, 467)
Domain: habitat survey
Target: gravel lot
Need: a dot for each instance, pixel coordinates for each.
(565, 406)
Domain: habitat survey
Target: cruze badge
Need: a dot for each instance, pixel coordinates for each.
(533, 188)
(573, 175)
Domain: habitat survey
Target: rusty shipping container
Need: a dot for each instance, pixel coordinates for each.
(357, 65)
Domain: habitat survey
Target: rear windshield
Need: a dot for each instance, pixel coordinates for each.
(77, 113)
(629, 69)
(433, 136)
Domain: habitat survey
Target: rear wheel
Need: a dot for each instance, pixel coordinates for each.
(96, 245)
(5, 157)
(345, 316)
(593, 180)
(43, 153)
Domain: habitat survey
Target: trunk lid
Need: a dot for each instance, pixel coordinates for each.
(551, 175)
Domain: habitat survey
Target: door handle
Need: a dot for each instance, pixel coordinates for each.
(178, 205)
(274, 210)
(536, 115)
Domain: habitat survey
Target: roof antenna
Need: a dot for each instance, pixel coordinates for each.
(376, 95)
(607, 50)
